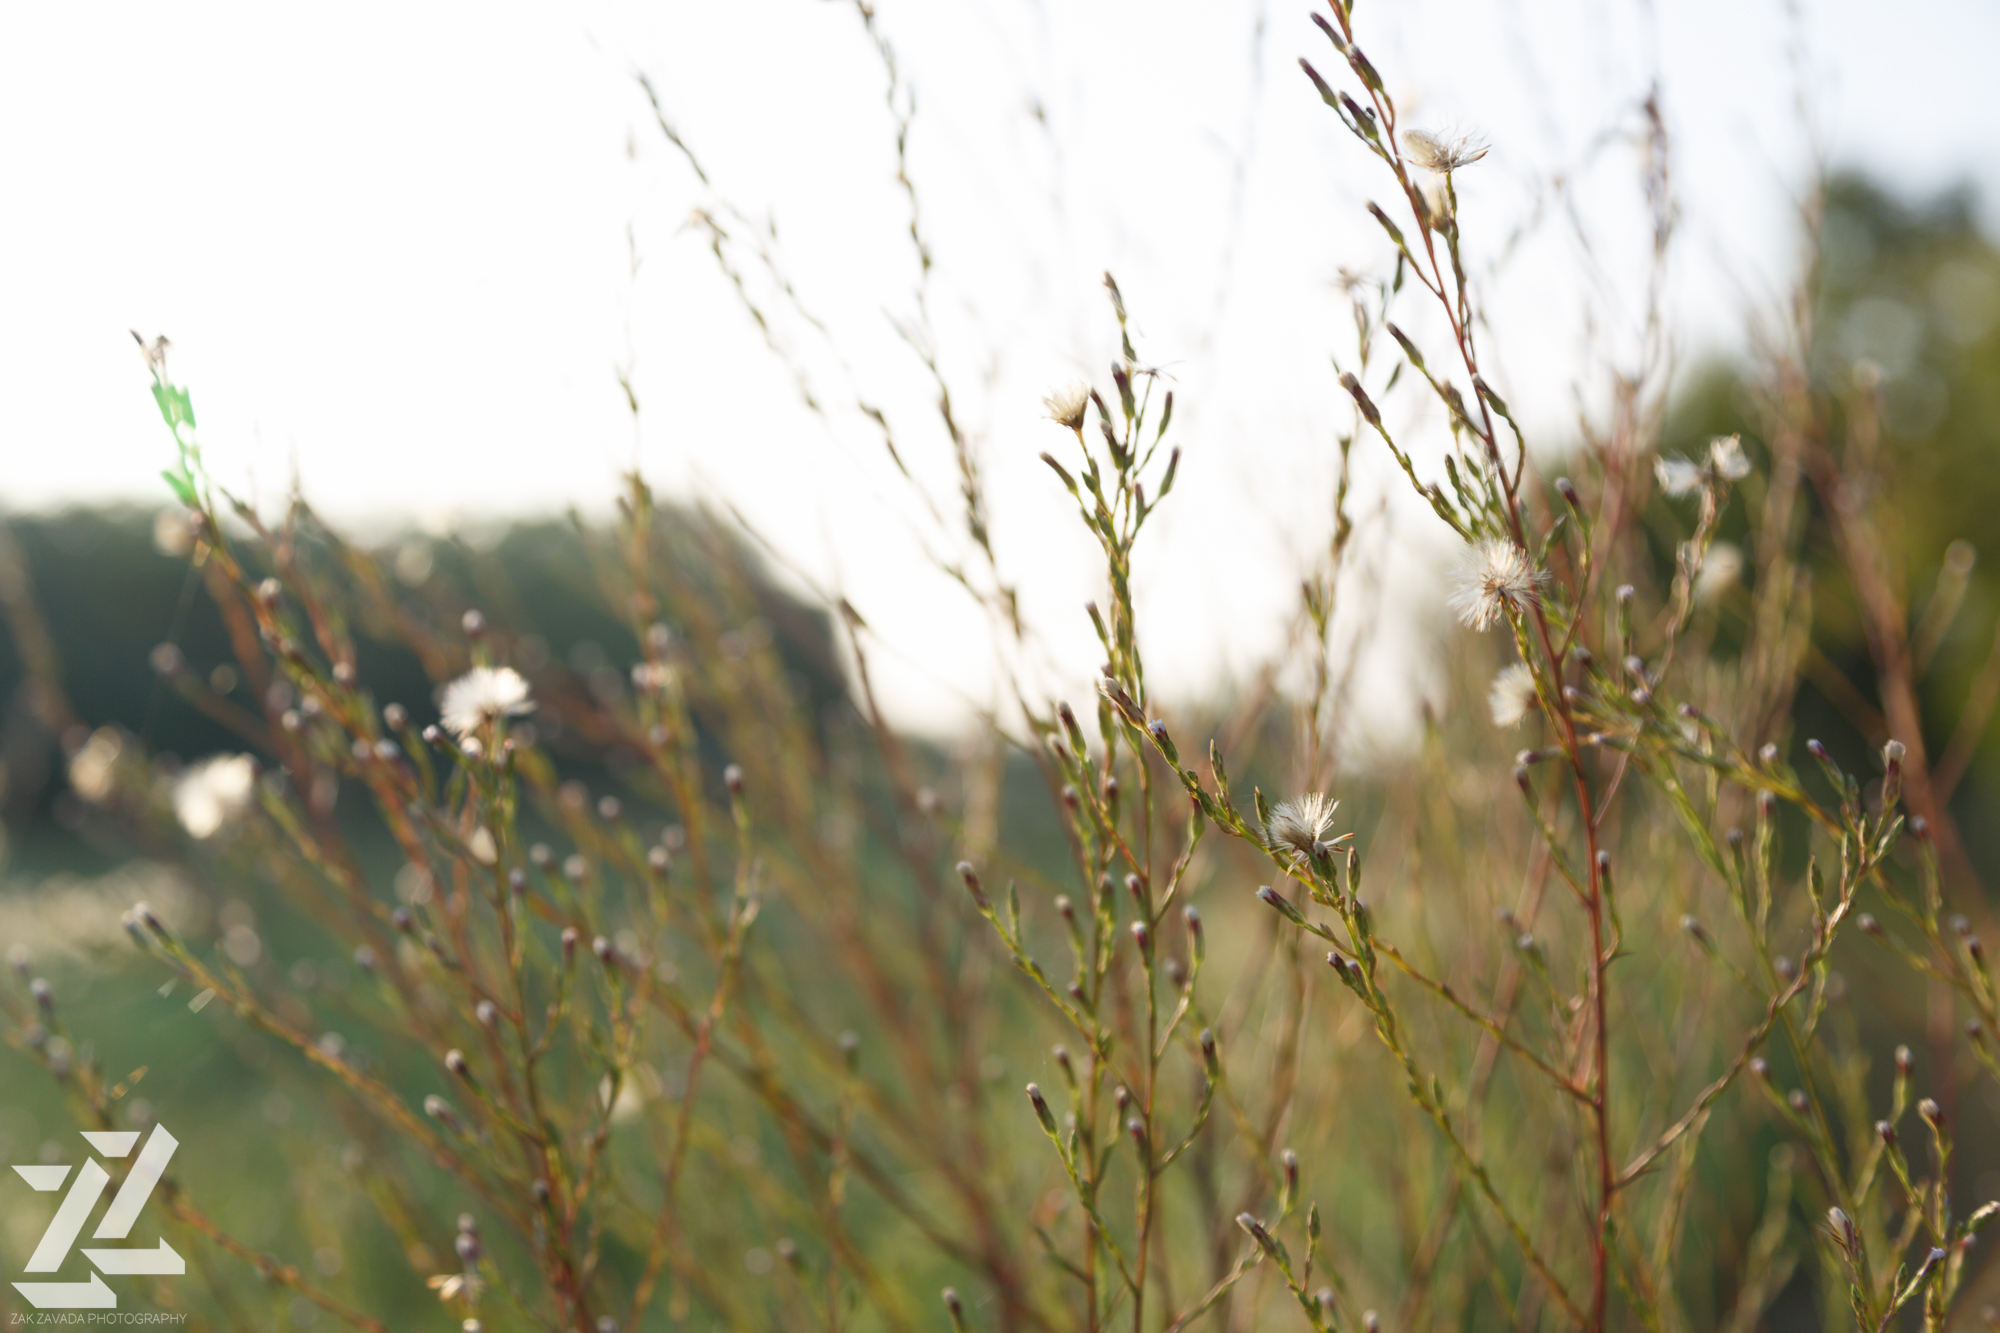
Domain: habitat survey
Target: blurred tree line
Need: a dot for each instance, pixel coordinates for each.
(105, 599)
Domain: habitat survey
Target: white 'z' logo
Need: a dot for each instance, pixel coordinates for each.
(76, 1208)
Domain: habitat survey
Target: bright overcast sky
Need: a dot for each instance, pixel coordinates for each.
(394, 248)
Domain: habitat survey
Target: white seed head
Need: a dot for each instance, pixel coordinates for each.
(1443, 152)
(1513, 695)
(1726, 458)
(482, 695)
(1494, 579)
(1676, 475)
(1068, 404)
(1299, 825)
(1725, 462)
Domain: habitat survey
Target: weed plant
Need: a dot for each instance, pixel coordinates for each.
(1539, 1027)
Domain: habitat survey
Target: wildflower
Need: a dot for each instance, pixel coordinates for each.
(1298, 827)
(483, 695)
(1726, 462)
(1443, 153)
(1494, 580)
(1068, 404)
(212, 792)
(1513, 695)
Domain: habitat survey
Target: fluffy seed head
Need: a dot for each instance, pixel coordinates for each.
(482, 695)
(1298, 826)
(1443, 153)
(1725, 462)
(1067, 404)
(1494, 580)
(1512, 696)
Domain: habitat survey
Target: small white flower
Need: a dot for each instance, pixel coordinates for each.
(1513, 695)
(1494, 579)
(213, 792)
(1443, 152)
(1068, 404)
(483, 695)
(1719, 571)
(1298, 826)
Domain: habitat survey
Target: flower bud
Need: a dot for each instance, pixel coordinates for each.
(440, 1110)
(1798, 1101)
(488, 1016)
(454, 1060)
(570, 937)
(1931, 1113)
(971, 878)
(1886, 1132)
(732, 778)
(1042, 1112)
(1761, 1068)
(1906, 1064)
(474, 624)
